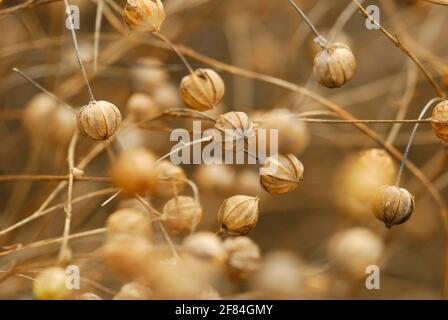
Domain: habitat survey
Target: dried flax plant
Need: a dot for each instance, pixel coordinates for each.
(88, 184)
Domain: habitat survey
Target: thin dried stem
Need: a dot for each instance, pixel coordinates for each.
(44, 178)
(96, 42)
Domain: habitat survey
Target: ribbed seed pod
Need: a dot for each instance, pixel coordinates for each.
(50, 284)
(148, 74)
(393, 205)
(141, 106)
(334, 65)
(182, 214)
(134, 171)
(171, 179)
(281, 174)
(203, 90)
(231, 127)
(439, 120)
(205, 245)
(238, 215)
(99, 120)
(48, 121)
(128, 221)
(243, 257)
(144, 15)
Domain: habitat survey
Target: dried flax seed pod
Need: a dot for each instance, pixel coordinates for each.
(141, 106)
(238, 215)
(393, 205)
(233, 126)
(182, 214)
(148, 74)
(134, 172)
(203, 90)
(205, 245)
(144, 15)
(354, 249)
(48, 121)
(243, 257)
(129, 221)
(334, 65)
(171, 179)
(134, 291)
(50, 284)
(439, 120)
(99, 120)
(281, 173)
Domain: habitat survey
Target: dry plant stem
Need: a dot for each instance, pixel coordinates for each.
(47, 242)
(411, 138)
(26, 5)
(38, 214)
(320, 40)
(13, 178)
(408, 121)
(69, 208)
(441, 2)
(174, 48)
(78, 55)
(342, 21)
(152, 211)
(96, 42)
(187, 145)
(403, 48)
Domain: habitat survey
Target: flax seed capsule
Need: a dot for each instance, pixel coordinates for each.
(281, 174)
(128, 221)
(205, 245)
(50, 284)
(99, 120)
(393, 205)
(144, 15)
(439, 120)
(182, 214)
(171, 179)
(243, 257)
(238, 215)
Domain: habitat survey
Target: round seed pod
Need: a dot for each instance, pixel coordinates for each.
(171, 179)
(166, 95)
(129, 221)
(293, 135)
(182, 214)
(144, 15)
(334, 65)
(238, 215)
(439, 120)
(243, 257)
(354, 249)
(281, 275)
(205, 245)
(47, 121)
(134, 171)
(134, 291)
(148, 74)
(393, 205)
(127, 254)
(281, 174)
(50, 284)
(231, 127)
(358, 179)
(203, 90)
(99, 120)
(141, 106)
(215, 178)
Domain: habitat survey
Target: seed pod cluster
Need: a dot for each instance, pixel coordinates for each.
(128, 221)
(202, 90)
(171, 179)
(205, 245)
(50, 284)
(281, 173)
(144, 15)
(393, 205)
(182, 214)
(238, 215)
(99, 120)
(243, 257)
(48, 121)
(334, 65)
(134, 172)
(439, 120)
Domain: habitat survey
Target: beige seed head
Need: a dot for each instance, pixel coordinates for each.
(50, 284)
(144, 15)
(393, 205)
(215, 178)
(354, 249)
(334, 65)
(203, 90)
(134, 172)
(205, 245)
(141, 106)
(281, 173)
(171, 179)
(238, 215)
(99, 120)
(243, 257)
(128, 221)
(439, 120)
(182, 214)
(148, 74)
(48, 121)
(134, 291)
(231, 127)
